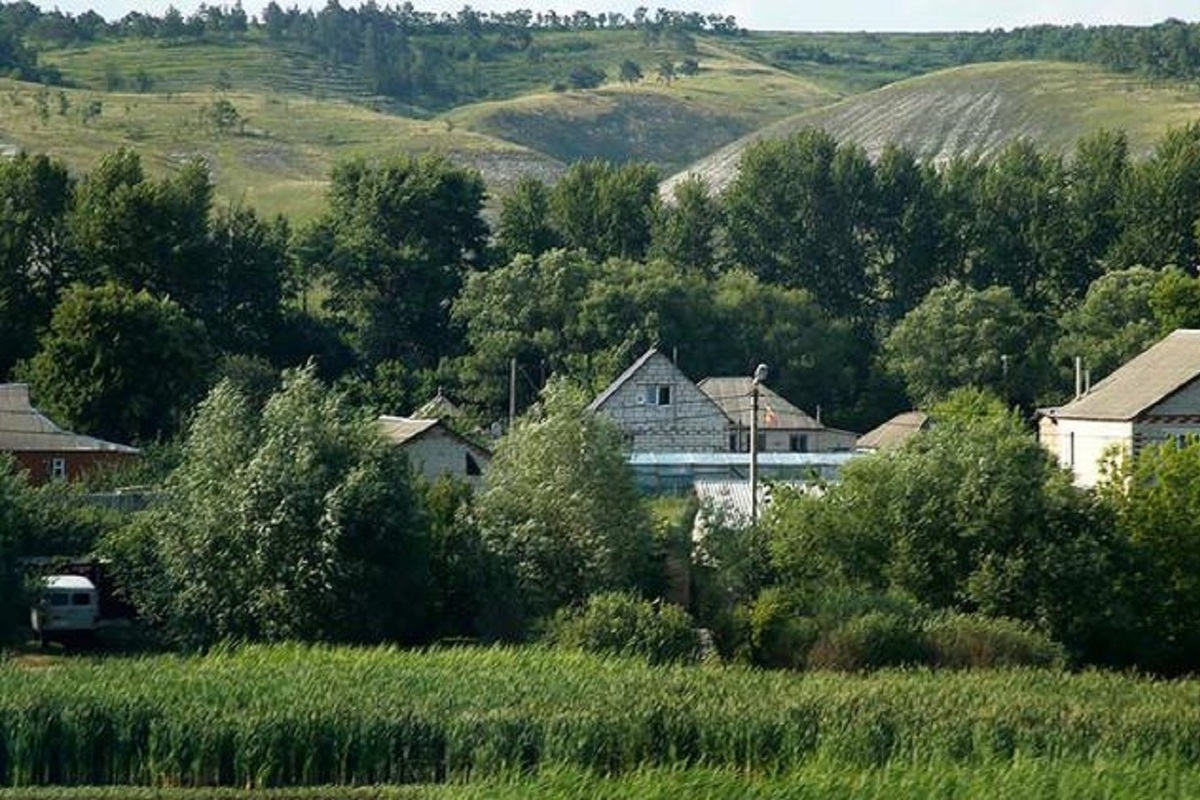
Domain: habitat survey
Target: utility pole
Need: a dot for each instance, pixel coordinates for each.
(760, 375)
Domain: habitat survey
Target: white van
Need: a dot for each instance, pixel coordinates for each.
(68, 605)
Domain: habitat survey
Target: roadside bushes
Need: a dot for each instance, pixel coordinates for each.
(855, 632)
(622, 624)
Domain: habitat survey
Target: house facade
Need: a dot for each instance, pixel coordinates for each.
(434, 449)
(46, 451)
(659, 409)
(1151, 399)
(782, 427)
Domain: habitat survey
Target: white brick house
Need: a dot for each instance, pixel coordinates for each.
(1153, 398)
(661, 410)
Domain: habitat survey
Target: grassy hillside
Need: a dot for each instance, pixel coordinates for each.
(297, 117)
(978, 109)
(666, 123)
(277, 158)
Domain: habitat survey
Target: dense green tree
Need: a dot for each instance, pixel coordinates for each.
(1113, 324)
(1158, 511)
(402, 236)
(118, 364)
(145, 234)
(1021, 237)
(959, 336)
(34, 195)
(1096, 176)
(606, 209)
(1158, 208)
(298, 522)
(561, 507)
(1175, 301)
(685, 229)
(797, 215)
(907, 255)
(251, 278)
(524, 227)
(972, 515)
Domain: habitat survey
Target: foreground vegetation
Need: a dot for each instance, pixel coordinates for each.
(293, 715)
(1033, 778)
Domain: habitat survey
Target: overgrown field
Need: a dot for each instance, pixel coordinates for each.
(282, 716)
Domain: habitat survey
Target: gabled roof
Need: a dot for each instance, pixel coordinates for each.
(895, 432)
(437, 407)
(623, 378)
(732, 395)
(1141, 383)
(24, 429)
(402, 430)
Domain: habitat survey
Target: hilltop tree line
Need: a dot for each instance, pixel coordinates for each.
(433, 58)
(396, 51)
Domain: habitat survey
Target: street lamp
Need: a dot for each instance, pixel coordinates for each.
(760, 375)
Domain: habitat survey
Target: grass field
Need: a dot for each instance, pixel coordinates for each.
(284, 716)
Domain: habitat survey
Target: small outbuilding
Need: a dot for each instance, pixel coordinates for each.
(434, 449)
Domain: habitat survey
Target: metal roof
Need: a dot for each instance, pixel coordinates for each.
(404, 429)
(24, 429)
(401, 430)
(895, 432)
(733, 397)
(740, 459)
(1141, 383)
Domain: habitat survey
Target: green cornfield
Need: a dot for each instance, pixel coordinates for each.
(314, 716)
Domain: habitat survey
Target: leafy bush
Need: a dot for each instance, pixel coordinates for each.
(622, 624)
(779, 637)
(960, 641)
(870, 641)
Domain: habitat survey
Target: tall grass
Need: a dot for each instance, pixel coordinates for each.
(260, 717)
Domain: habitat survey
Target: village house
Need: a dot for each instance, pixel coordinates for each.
(434, 449)
(782, 428)
(46, 451)
(660, 410)
(1151, 399)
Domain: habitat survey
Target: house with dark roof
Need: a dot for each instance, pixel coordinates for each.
(46, 451)
(661, 410)
(782, 427)
(893, 433)
(1153, 398)
(434, 449)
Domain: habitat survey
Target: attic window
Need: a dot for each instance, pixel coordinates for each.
(656, 394)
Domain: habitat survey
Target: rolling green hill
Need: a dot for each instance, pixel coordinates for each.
(978, 109)
(297, 115)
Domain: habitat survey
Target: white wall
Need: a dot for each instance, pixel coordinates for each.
(1082, 445)
(436, 452)
(691, 423)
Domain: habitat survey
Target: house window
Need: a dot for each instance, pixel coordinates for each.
(733, 442)
(1071, 449)
(798, 443)
(762, 442)
(473, 466)
(657, 395)
(58, 468)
